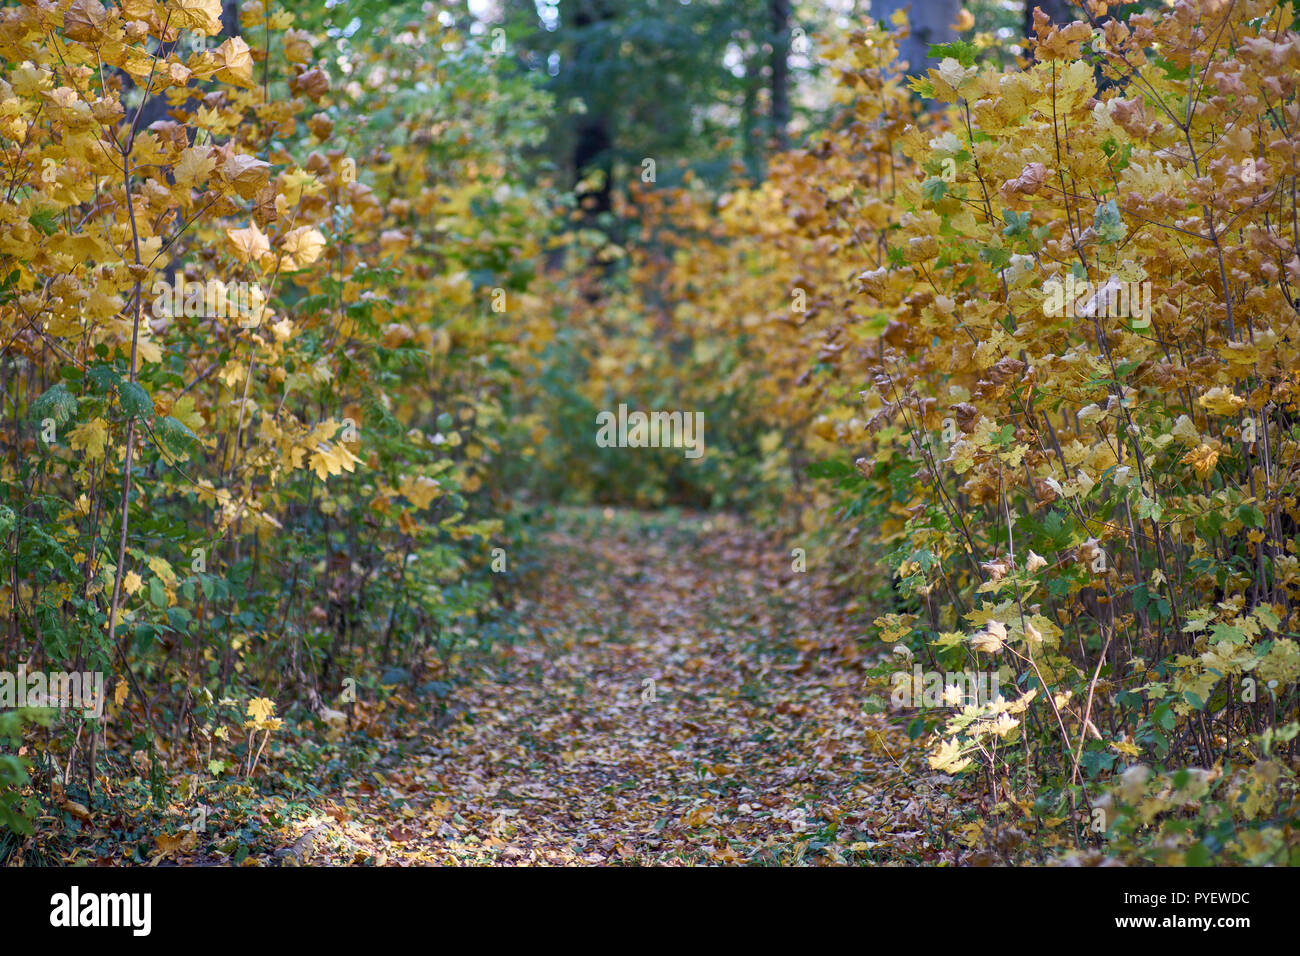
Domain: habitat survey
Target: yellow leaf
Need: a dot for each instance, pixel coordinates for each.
(302, 247)
(163, 569)
(420, 491)
(76, 809)
(90, 438)
(330, 459)
(201, 16)
(1203, 458)
(249, 243)
(247, 174)
(195, 166)
(183, 411)
(168, 844)
(699, 817)
(85, 20)
(298, 183)
(237, 62)
(1221, 401)
(261, 709)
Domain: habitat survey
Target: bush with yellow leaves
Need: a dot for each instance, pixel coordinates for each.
(1037, 339)
(252, 366)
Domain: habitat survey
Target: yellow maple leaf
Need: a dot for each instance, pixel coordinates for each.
(330, 459)
(201, 16)
(298, 183)
(183, 411)
(261, 709)
(249, 243)
(1221, 401)
(1202, 458)
(236, 62)
(85, 20)
(90, 438)
(246, 174)
(421, 490)
(302, 247)
(163, 569)
(194, 167)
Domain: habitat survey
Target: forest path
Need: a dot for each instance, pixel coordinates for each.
(750, 745)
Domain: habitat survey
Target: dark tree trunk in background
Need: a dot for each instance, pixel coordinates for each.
(1061, 12)
(779, 15)
(591, 151)
(155, 108)
(750, 123)
(931, 22)
(593, 136)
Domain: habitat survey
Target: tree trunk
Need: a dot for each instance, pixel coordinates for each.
(931, 22)
(155, 108)
(1061, 12)
(591, 151)
(779, 15)
(593, 136)
(750, 121)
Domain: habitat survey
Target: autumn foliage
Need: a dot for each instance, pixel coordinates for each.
(251, 367)
(1096, 500)
(1011, 354)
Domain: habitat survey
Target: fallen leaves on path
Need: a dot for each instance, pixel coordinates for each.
(680, 708)
(678, 696)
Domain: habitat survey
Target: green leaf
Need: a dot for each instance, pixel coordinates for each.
(1226, 632)
(1198, 855)
(135, 400)
(104, 377)
(1017, 223)
(174, 435)
(57, 403)
(1250, 516)
(144, 635)
(934, 189)
(1149, 509)
(997, 258)
(830, 469)
(46, 220)
(1107, 223)
(963, 51)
